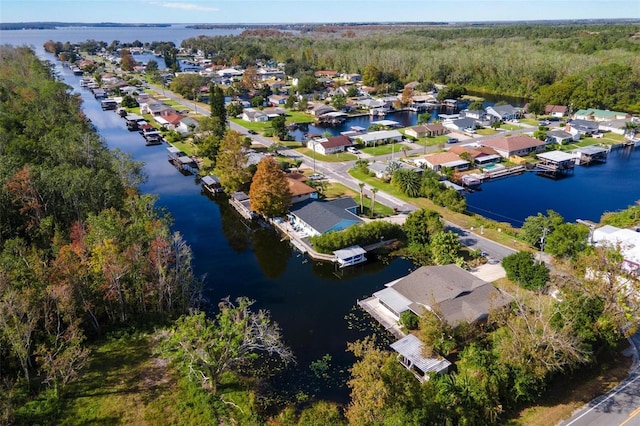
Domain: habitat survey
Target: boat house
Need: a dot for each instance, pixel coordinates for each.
(410, 354)
(555, 163)
(587, 155)
(211, 184)
(241, 202)
(350, 256)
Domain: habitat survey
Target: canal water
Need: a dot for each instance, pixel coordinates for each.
(314, 303)
(587, 194)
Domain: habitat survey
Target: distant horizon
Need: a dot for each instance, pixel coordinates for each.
(283, 12)
(341, 23)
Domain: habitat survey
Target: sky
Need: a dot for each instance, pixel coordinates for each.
(310, 11)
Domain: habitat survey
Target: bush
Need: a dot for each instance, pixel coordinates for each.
(522, 268)
(409, 320)
(362, 234)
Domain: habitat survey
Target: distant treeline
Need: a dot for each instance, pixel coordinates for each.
(54, 25)
(518, 60)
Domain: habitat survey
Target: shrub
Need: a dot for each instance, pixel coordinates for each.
(409, 320)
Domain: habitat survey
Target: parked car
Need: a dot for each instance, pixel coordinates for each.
(316, 176)
(353, 150)
(544, 123)
(252, 132)
(452, 140)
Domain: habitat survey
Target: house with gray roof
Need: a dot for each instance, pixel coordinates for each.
(504, 112)
(455, 293)
(584, 127)
(316, 217)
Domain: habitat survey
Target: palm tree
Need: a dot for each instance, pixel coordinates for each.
(361, 185)
(373, 200)
(404, 150)
(630, 128)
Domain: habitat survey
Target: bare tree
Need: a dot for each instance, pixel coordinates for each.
(207, 348)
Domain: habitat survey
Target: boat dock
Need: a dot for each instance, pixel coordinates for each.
(240, 201)
(555, 164)
(503, 171)
(592, 154)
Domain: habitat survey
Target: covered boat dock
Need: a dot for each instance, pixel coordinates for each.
(555, 164)
(588, 155)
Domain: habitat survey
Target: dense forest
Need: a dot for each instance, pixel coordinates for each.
(589, 65)
(81, 250)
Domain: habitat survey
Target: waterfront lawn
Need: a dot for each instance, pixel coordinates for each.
(251, 125)
(384, 149)
(337, 190)
(331, 158)
(298, 117)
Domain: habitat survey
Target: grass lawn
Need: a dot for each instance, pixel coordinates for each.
(125, 384)
(529, 121)
(337, 190)
(509, 126)
(251, 125)
(487, 131)
(331, 158)
(384, 149)
(432, 141)
(298, 117)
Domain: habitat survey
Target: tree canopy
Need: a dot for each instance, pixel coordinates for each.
(269, 193)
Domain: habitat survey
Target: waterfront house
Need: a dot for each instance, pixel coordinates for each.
(276, 100)
(169, 120)
(457, 295)
(321, 109)
(330, 145)
(481, 116)
(461, 124)
(254, 115)
(593, 114)
(481, 155)
(380, 137)
(300, 191)
(515, 145)
(614, 126)
(437, 162)
(504, 112)
(316, 217)
(583, 127)
(556, 110)
(187, 125)
(561, 136)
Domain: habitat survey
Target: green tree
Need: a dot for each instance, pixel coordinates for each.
(424, 118)
(408, 181)
(151, 67)
(522, 268)
(207, 348)
(231, 162)
(421, 225)
(476, 105)
(445, 248)
(270, 194)
(218, 111)
(280, 127)
(533, 229)
(338, 101)
(567, 240)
